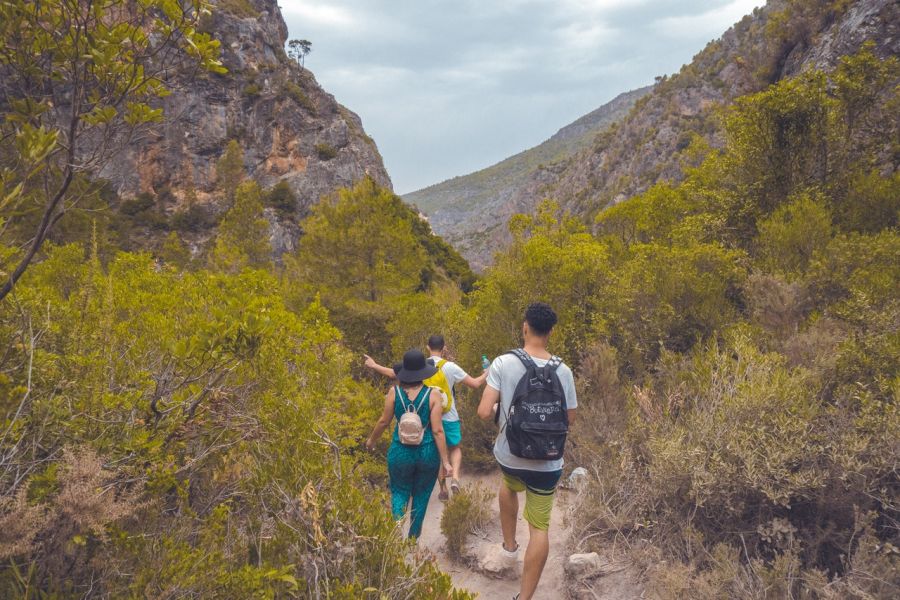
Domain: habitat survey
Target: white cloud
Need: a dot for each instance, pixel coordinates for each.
(711, 23)
(319, 14)
(448, 87)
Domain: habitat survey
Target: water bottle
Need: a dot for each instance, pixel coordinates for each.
(485, 363)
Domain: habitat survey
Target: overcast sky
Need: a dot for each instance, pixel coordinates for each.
(449, 87)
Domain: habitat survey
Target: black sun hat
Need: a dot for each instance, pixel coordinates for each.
(415, 367)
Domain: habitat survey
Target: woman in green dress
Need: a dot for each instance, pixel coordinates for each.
(413, 468)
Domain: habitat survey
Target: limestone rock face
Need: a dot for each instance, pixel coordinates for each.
(288, 126)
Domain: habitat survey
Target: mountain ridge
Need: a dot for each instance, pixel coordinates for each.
(499, 184)
(651, 142)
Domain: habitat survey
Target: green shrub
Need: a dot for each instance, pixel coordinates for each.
(732, 449)
(282, 198)
(141, 202)
(296, 93)
(239, 8)
(193, 218)
(153, 219)
(192, 454)
(251, 90)
(325, 151)
(466, 512)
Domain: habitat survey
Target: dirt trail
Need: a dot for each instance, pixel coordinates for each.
(554, 579)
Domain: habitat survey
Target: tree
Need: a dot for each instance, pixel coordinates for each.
(76, 80)
(174, 253)
(243, 239)
(230, 170)
(361, 257)
(298, 49)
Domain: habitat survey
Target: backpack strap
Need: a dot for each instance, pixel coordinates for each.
(401, 395)
(424, 393)
(410, 405)
(527, 362)
(523, 356)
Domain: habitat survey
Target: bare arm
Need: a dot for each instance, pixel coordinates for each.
(383, 421)
(437, 429)
(489, 399)
(386, 371)
(475, 382)
(571, 412)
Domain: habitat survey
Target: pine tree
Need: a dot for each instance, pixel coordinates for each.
(243, 239)
(230, 170)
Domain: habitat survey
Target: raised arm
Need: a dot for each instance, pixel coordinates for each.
(437, 429)
(386, 371)
(383, 421)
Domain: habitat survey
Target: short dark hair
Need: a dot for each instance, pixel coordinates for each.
(540, 317)
(436, 342)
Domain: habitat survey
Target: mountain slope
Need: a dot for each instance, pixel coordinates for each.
(651, 143)
(775, 42)
(457, 207)
(288, 127)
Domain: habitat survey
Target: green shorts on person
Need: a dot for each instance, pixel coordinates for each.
(453, 431)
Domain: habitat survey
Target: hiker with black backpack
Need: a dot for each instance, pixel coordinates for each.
(418, 449)
(531, 395)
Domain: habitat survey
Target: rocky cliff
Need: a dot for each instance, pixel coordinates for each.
(778, 41)
(289, 128)
(650, 143)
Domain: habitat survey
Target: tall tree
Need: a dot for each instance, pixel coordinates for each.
(230, 170)
(243, 239)
(76, 80)
(298, 49)
(360, 257)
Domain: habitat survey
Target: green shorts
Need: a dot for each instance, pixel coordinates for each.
(452, 432)
(539, 488)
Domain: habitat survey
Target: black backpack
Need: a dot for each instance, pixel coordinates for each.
(537, 422)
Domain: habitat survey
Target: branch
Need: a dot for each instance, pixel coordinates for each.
(43, 229)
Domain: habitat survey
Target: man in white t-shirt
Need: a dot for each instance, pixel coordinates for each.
(537, 478)
(450, 419)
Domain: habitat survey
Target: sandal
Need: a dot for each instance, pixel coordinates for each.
(454, 486)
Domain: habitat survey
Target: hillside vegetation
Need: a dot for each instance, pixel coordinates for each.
(650, 142)
(179, 424)
(737, 349)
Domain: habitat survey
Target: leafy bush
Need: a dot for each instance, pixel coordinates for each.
(282, 198)
(202, 459)
(325, 151)
(239, 8)
(140, 203)
(296, 93)
(742, 396)
(466, 512)
(251, 90)
(193, 218)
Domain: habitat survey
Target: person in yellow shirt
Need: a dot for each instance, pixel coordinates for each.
(453, 374)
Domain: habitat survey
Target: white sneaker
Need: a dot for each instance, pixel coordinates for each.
(510, 557)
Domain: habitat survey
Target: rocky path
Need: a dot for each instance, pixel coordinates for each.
(473, 574)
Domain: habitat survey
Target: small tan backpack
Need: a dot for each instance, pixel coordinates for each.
(410, 428)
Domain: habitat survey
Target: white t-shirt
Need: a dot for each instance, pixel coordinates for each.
(454, 374)
(504, 375)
